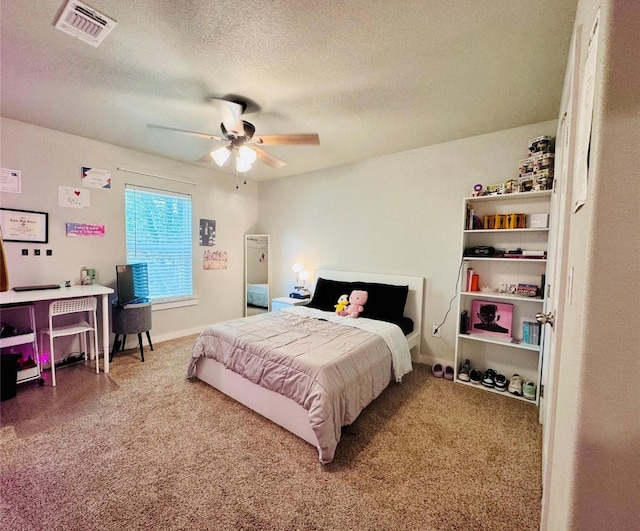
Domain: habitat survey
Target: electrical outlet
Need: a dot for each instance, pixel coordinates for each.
(435, 331)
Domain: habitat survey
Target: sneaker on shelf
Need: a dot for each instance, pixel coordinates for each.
(488, 378)
(475, 376)
(465, 369)
(529, 390)
(515, 385)
(501, 382)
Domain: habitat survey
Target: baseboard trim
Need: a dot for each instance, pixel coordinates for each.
(162, 337)
(430, 360)
(177, 334)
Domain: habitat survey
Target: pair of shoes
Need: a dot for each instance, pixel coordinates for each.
(515, 385)
(501, 382)
(465, 369)
(488, 378)
(445, 372)
(475, 376)
(448, 372)
(529, 390)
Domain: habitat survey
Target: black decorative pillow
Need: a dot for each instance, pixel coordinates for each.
(386, 301)
(327, 293)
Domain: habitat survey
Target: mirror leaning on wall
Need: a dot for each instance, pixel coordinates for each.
(257, 273)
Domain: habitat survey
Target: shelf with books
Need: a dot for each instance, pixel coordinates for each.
(493, 231)
(502, 289)
(519, 198)
(490, 259)
(498, 341)
(498, 295)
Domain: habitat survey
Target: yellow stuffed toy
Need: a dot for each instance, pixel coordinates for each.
(343, 302)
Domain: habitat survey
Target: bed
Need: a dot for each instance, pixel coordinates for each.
(258, 295)
(305, 368)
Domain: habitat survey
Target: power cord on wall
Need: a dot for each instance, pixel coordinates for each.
(437, 328)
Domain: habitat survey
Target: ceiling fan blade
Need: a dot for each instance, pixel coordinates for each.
(231, 114)
(311, 139)
(206, 158)
(268, 159)
(208, 136)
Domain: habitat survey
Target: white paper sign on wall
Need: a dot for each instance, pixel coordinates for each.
(96, 178)
(73, 197)
(10, 181)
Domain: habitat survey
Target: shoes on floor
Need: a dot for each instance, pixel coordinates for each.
(465, 369)
(475, 376)
(515, 385)
(448, 372)
(26, 364)
(529, 390)
(500, 382)
(437, 370)
(488, 378)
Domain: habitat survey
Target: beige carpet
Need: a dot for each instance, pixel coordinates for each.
(163, 452)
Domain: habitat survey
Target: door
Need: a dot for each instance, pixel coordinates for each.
(553, 296)
(557, 291)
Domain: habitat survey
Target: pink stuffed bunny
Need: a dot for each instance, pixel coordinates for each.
(356, 303)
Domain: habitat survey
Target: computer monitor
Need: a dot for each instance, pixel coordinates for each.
(132, 284)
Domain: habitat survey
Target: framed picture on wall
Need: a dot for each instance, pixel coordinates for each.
(24, 226)
(491, 318)
(207, 236)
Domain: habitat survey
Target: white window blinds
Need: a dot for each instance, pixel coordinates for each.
(158, 232)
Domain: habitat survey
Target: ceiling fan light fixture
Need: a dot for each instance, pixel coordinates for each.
(221, 155)
(247, 154)
(242, 165)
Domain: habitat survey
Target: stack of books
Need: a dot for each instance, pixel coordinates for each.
(472, 222)
(523, 253)
(504, 221)
(531, 332)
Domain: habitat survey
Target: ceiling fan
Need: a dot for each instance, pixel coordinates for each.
(241, 140)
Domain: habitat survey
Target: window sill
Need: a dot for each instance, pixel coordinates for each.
(167, 305)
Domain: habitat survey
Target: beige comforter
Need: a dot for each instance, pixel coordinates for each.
(332, 369)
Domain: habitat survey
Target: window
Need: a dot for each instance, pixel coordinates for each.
(158, 232)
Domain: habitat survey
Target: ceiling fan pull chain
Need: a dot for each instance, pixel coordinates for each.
(236, 178)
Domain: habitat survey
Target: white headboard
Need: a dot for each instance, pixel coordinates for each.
(413, 307)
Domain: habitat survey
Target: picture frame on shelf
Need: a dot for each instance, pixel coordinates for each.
(25, 226)
(491, 318)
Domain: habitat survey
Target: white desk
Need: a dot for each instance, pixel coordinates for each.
(16, 297)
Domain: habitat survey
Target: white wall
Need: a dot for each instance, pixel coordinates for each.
(595, 466)
(398, 214)
(50, 158)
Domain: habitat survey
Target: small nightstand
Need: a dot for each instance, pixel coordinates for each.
(281, 303)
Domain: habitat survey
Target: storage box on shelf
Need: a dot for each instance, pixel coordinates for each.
(509, 265)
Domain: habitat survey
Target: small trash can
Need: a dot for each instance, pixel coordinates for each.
(8, 375)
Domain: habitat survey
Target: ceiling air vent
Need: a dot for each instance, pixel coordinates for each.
(81, 21)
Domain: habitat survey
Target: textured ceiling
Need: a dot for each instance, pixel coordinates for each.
(370, 77)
